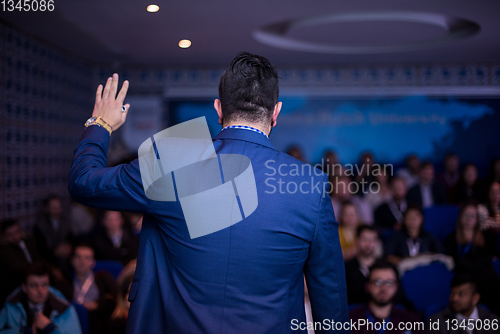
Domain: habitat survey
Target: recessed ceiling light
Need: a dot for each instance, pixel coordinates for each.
(153, 8)
(185, 43)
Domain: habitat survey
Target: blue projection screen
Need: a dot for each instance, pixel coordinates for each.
(391, 128)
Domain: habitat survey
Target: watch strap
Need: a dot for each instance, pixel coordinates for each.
(100, 122)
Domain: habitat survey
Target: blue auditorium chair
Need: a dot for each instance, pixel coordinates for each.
(83, 317)
(441, 220)
(427, 285)
(113, 267)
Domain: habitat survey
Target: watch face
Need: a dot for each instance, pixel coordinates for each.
(91, 120)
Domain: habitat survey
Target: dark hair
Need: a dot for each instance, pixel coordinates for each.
(83, 245)
(49, 198)
(464, 279)
(6, 224)
(426, 164)
(381, 264)
(362, 228)
(248, 89)
(36, 268)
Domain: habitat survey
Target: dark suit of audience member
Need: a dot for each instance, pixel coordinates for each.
(426, 192)
(53, 235)
(15, 255)
(469, 189)
(412, 240)
(473, 252)
(390, 214)
(114, 242)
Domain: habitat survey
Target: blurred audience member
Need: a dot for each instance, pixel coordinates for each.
(469, 188)
(463, 315)
(426, 192)
(52, 234)
(115, 242)
(357, 269)
(390, 215)
(35, 307)
(119, 317)
(16, 254)
(365, 173)
(489, 213)
(494, 173)
(383, 194)
(296, 152)
(349, 221)
(382, 285)
(451, 175)
(342, 191)
(95, 291)
(135, 220)
(410, 173)
(473, 253)
(82, 221)
(331, 164)
(412, 239)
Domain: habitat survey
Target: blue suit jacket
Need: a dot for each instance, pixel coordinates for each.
(247, 278)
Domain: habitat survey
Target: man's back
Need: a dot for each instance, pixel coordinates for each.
(247, 278)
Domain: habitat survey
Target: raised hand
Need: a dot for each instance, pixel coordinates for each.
(108, 105)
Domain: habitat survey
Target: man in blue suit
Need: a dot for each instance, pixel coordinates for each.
(248, 277)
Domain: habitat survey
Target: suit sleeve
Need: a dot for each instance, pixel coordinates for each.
(94, 184)
(325, 272)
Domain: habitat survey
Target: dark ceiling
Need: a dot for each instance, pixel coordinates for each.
(123, 32)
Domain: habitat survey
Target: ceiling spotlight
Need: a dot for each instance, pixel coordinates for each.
(153, 8)
(185, 43)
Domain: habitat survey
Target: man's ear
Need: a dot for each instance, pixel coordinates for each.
(218, 108)
(276, 112)
(23, 287)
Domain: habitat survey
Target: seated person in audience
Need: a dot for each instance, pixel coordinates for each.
(459, 317)
(135, 220)
(331, 164)
(381, 286)
(115, 242)
(348, 222)
(469, 188)
(52, 234)
(365, 173)
(410, 173)
(412, 239)
(82, 219)
(118, 320)
(381, 194)
(450, 177)
(296, 152)
(357, 269)
(489, 213)
(473, 252)
(426, 192)
(97, 292)
(342, 188)
(390, 214)
(35, 307)
(494, 173)
(16, 254)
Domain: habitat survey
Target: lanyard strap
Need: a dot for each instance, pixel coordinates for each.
(85, 288)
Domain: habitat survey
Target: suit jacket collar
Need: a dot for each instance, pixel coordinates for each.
(245, 135)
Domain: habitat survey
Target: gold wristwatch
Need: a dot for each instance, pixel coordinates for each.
(100, 122)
